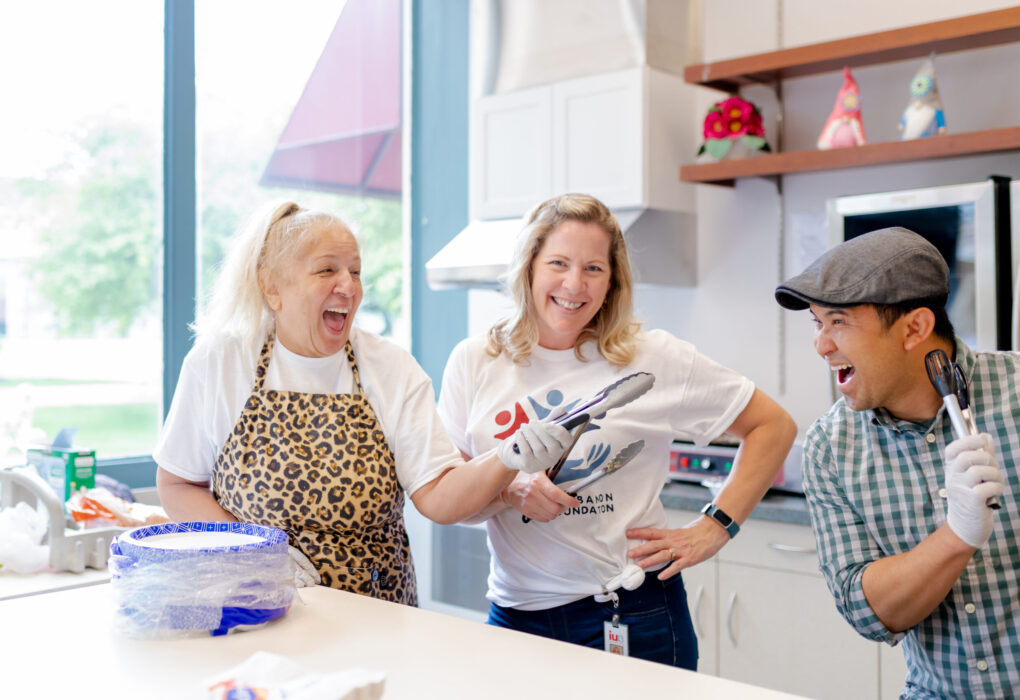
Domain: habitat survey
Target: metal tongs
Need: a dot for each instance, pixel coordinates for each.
(949, 382)
(617, 394)
(615, 464)
(622, 458)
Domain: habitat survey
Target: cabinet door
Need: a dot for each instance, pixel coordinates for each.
(780, 630)
(599, 137)
(701, 584)
(771, 545)
(702, 599)
(511, 157)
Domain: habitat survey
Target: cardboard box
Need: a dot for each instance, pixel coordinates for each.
(65, 469)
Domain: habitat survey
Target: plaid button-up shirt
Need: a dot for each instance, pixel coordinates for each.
(875, 488)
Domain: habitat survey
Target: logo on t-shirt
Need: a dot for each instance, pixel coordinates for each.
(576, 467)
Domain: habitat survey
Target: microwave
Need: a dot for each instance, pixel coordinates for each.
(970, 226)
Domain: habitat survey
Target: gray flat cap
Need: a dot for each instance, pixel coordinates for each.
(889, 266)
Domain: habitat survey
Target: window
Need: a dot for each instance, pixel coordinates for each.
(304, 106)
(81, 201)
(82, 299)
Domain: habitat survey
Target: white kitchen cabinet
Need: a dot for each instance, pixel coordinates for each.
(702, 585)
(619, 136)
(771, 621)
(511, 142)
(781, 629)
(597, 137)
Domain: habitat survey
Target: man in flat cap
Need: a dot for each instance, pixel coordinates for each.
(908, 541)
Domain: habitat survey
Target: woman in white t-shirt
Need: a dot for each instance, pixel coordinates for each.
(285, 415)
(575, 571)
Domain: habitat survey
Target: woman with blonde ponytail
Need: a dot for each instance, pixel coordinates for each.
(286, 414)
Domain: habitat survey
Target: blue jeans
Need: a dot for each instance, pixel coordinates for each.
(658, 622)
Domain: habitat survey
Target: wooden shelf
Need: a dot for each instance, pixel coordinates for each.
(945, 146)
(957, 34)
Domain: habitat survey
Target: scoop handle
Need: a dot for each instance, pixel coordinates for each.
(940, 373)
(943, 375)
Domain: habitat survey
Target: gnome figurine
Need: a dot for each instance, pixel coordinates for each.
(844, 126)
(923, 115)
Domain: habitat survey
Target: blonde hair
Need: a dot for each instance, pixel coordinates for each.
(269, 239)
(613, 327)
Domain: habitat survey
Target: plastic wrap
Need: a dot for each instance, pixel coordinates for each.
(169, 592)
(22, 529)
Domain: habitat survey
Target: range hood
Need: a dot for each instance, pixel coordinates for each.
(662, 246)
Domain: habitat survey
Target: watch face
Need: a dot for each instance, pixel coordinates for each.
(712, 511)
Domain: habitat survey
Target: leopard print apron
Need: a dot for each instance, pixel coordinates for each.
(318, 466)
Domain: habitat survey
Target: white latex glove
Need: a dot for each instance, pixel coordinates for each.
(539, 446)
(304, 571)
(972, 477)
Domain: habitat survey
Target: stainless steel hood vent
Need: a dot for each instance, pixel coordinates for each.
(476, 257)
(662, 246)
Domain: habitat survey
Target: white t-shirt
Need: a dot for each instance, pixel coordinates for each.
(218, 377)
(541, 565)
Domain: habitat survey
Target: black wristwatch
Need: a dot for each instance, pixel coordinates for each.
(719, 515)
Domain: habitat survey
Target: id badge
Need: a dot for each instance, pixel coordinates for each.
(615, 637)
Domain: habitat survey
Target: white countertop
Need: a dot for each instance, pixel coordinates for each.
(17, 585)
(62, 645)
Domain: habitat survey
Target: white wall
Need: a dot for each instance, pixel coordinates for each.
(731, 315)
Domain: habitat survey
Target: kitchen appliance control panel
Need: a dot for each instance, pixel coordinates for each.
(689, 462)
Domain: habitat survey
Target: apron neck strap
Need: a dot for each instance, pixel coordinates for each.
(267, 353)
(263, 365)
(354, 366)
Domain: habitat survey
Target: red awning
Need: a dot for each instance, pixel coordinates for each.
(344, 133)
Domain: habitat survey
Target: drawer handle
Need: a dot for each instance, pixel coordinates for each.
(697, 611)
(729, 617)
(792, 548)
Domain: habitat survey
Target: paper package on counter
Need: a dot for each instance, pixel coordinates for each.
(98, 507)
(275, 677)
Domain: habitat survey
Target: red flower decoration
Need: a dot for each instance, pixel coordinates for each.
(732, 119)
(736, 109)
(714, 127)
(754, 125)
(735, 128)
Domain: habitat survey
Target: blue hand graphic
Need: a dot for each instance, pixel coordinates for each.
(579, 468)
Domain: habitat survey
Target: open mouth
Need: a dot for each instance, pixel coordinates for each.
(568, 305)
(335, 320)
(843, 373)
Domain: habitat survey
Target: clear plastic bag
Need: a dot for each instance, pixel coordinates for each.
(22, 530)
(171, 593)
